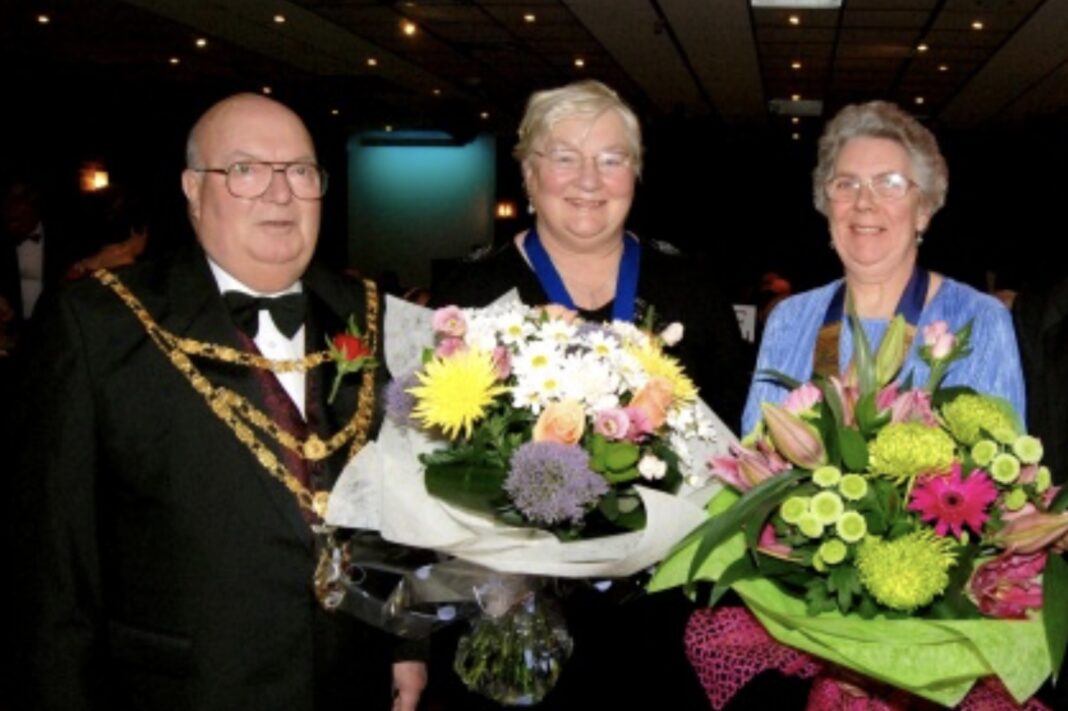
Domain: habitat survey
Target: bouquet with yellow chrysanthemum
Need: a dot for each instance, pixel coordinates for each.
(531, 443)
(909, 534)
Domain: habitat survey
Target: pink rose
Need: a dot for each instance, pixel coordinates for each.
(449, 346)
(450, 321)
(612, 424)
(654, 399)
(562, 422)
(913, 406)
(640, 427)
(938, 337)
(502, 362)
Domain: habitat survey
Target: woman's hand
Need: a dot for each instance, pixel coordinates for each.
(409, 680)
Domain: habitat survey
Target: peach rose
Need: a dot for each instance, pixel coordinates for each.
(562, 422)
(654, 400)
(560, 312)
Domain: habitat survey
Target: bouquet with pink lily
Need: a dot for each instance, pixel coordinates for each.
(908, 534)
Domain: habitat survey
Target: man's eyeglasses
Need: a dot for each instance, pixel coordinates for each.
(569, 162)
(887, 186)
(251, 179)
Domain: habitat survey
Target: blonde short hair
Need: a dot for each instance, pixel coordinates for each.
(881, 119)
(588, 99)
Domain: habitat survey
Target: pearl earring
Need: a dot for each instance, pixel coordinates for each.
(530, 207)
(919, 239)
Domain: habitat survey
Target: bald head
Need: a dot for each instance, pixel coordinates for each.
(267, 241)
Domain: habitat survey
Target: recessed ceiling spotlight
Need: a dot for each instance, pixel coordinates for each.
(795, 136)
(372, 62)
(266, 90)
(977, 25)
(43, 19)
(580, 62)
(529, 17)
(484, 115)
(919, 100)
(280, 18)
(335, 112)
(795, 97)
(436, 92)
(922, 47)
(389, 128)
(201, 42)
(174, 60)
(795, 120)
(796, 64)
(794, 19)
(943, 67)
(408, 27)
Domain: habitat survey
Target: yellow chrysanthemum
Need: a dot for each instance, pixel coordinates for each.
(456, 391)
(656, 362)
(906, 573)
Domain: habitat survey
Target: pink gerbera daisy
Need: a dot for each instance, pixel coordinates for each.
(953, 503)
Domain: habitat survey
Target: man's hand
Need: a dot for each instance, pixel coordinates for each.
(409, 680)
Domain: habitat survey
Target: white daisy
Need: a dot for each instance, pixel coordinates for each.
(557, 331)
(535, 357)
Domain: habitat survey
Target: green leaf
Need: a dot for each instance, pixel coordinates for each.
(1060, 501)
(620, 456)
(621, 477)
(1055, 612)
(854, 449)
(719, 528)
(862, 357)
(830, 396)
(741, 569)
(865, 413)
(782, 378)
(844, 581)
(472, 486)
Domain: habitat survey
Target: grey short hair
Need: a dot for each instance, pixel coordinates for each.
(587, 98)
(882, 119)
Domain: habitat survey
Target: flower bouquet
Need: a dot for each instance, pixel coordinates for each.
(530, 443)
(908, 534)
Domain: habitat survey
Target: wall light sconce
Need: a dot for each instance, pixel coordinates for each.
(505, 209)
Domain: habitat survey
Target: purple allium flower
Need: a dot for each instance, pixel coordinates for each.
(551, 482)
(399, 402)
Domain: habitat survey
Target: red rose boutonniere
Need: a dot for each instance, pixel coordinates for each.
(350, 353)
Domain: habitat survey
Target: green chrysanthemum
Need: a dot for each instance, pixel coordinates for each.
(906, 573)
(826, 476)
(853, 487)
(809, 525)
(827, 506)
(1043, 480)
(983, 451)
(1016, 499)
(968, 415)
(793, 508)
(1028, 449)
(1005, 468)
(851, 527)
(902, 450)
(833, 551)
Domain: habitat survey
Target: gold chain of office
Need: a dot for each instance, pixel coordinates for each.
(238, 413)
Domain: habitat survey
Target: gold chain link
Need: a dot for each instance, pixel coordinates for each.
(238, 413)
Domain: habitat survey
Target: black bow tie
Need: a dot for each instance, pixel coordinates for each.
(287, 311)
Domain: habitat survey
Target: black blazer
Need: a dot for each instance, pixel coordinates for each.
(159, 565)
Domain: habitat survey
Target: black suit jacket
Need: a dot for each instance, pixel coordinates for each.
(161, 566)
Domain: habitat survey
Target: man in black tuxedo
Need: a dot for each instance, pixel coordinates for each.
(164, 542)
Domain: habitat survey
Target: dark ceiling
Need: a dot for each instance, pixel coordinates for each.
(472, 64)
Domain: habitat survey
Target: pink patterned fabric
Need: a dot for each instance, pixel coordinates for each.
(727, 647)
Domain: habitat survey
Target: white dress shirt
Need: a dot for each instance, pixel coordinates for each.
(272, 343)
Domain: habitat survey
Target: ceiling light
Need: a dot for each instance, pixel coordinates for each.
(174, 60)
(977, 25)
(529, 17)
(372, 62)
(408, 27)
(484, 115)
(795, 20)
(43, 19)
(943, 67)
(389, 129)
(201, 42)
(266, 90)
(795, 64)
(436, 92)
(795, 120)
(798, 4)
(795, 136)
(919, 100)
(334, 112)
(922, 47)
(795, 97)
(580, 62)
(279, 19)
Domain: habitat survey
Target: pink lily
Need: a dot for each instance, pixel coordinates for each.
(1008, 586)
(1032, 532)
(793, 437)
(770, 545)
